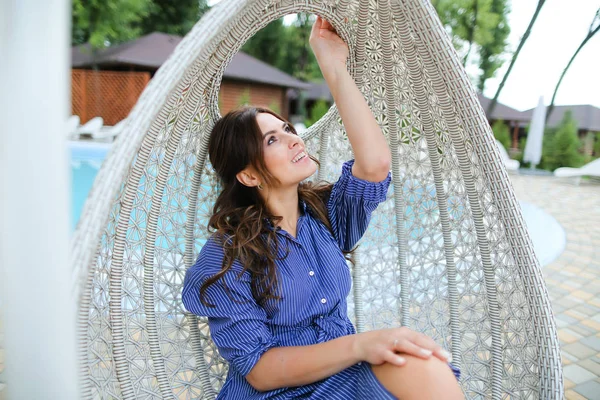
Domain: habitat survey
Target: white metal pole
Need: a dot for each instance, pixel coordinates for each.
(35, 297)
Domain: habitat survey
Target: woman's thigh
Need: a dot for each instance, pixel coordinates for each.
(419, 379)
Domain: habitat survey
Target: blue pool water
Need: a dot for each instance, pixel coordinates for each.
(86, 159)
(548, 236)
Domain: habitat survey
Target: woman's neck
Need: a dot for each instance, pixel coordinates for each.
(285, 204)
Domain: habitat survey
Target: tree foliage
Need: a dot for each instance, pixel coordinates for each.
(479, 31)
(103, 22)
(107, 22)
(502, 133)
(173, 17)
(319, 108)
(267, 44)
(561, 145)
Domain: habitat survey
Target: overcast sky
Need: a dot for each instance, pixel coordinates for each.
(558, 31)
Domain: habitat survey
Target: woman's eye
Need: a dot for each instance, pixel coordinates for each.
(270, 140)
(288, 129)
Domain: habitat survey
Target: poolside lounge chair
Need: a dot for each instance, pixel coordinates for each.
(448, 253)
(510, 164)
(72, 125)
(110, 133)
(90, 128)
(591, 169)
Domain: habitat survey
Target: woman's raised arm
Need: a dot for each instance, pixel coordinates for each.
(371, 151)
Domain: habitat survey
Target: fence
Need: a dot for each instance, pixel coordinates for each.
(107, 94)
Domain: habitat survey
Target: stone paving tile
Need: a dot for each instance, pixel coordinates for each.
(590, 390)
(577, 374)
(582, 330)
(579, 350)
(592, 341)
(590, 365)
(573, 395)
(573, 279)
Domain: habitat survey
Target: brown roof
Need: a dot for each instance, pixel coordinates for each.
(152, 50)
(502, 111)
(587, 116)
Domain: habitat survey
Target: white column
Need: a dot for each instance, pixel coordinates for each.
(37, 309)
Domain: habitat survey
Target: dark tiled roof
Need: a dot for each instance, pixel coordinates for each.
(152, 50)
(587, 116)
(318, 91)
(502, 111)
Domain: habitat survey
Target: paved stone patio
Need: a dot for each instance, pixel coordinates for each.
(573, 279)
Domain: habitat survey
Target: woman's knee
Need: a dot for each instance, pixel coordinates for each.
(419, 379)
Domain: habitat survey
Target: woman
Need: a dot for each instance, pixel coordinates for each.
(273, 278)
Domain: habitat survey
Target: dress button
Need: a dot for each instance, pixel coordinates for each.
(311, 273)
(320, 317)
(323, 300)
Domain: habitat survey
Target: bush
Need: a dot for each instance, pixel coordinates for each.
(597, 145)
(561, 146)
(244, 99)
(501, 133)
(319, 109)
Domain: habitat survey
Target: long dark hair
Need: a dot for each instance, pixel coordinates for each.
(241, 219)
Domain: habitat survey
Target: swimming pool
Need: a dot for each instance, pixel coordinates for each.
(548, 236)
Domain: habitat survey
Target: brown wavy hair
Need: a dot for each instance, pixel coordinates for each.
(241, 220)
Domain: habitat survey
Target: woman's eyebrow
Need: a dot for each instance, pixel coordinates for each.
(273, 130)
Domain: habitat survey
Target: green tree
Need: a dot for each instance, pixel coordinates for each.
(597, 145)
(501, 133)
(173, 17)
(491, 53)
(562, 145)
(244, 99)
(297, 59)
(317, 111)
(267, 44)
(105, 22)
(479, 30)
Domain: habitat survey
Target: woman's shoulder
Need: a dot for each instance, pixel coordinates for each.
(210, 259)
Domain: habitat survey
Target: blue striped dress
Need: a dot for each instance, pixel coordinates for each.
(314, 283)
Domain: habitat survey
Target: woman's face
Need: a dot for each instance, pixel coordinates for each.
(285, 154)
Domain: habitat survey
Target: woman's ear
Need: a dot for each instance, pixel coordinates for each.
(248, 177)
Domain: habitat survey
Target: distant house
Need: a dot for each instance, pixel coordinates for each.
(108, 83)
(587, 117)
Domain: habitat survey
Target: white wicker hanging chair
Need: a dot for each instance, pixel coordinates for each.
(448, 253)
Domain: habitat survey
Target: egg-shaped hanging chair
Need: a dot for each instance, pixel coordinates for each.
(447, 254)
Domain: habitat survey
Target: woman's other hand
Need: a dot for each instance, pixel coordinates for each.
(330, 50)
(388, 345)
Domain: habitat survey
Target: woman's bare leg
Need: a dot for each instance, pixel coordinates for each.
(420, 379)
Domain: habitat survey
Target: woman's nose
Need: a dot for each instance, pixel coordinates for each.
(293, 141)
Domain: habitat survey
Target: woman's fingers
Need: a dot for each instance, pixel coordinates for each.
(425, 342)
(394, 359)
(408, 347)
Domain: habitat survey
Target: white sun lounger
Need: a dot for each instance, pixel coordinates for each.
(72, 125)
(510, 164)
(90, 128)
(591, 169)
(110, 133)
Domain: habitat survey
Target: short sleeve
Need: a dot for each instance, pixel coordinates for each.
(238, 325)
(351, 203)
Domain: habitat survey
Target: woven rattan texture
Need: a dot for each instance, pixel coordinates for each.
(447, 254)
